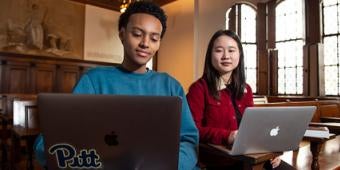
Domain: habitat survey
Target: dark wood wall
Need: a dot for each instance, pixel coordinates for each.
(35, 74)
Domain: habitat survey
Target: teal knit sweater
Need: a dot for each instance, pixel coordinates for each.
(114, 80)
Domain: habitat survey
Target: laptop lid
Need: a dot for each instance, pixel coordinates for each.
(110, 132)
(272, 129)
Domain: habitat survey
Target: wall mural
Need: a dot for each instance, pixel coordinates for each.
(42, 27)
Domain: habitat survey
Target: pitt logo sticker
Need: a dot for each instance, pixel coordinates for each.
(67, 157)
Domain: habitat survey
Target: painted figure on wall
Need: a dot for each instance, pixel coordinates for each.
(34, 28)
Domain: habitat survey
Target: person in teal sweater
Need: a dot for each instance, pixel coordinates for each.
(141, 28)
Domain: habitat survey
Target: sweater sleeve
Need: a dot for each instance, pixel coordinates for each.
(188, 137)
(39, 150)
(197, 101)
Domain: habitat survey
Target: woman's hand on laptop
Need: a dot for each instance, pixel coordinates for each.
(275, 162)
(232, 136)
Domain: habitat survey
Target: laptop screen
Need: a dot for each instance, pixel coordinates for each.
(272, 129)
(110, 132)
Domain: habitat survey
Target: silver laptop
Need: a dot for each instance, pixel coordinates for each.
(110, 132)
(271, 129)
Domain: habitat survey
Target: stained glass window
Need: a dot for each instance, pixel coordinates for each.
(289, 42)
(331, 40)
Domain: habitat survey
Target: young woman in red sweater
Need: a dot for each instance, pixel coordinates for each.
(218, 99)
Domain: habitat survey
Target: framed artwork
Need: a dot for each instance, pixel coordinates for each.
(42, 27)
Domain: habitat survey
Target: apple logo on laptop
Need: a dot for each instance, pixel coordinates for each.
(111, 139)
(274, 131)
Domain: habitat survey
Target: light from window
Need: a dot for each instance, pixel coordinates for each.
(248, 24)
(330, 27)
(248, 39)
(331, 40)
(289, 42)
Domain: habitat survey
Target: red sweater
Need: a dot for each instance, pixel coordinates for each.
(215, 119)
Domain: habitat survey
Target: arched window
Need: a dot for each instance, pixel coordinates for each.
(245, 17)
(331, 40)
(289, 42)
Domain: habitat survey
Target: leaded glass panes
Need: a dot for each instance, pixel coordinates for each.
(251, 64)
(289, 20)
(331, 40)
(329, 2)
(290, 53)
(290, 85)
(330, 27)
(299, 78)
(330, 50)
(248, 24)
(248, 39)
(289, 42)
(290, 80)
(251, 72)
(281, 78)
(249, 55)
(332, 81)
(338, 16)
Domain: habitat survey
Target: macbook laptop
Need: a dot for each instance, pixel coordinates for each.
(110, 132)
(271, 129)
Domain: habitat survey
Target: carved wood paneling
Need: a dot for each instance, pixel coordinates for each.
(35, 74)
(262, 53)
(16, 77)
(44, 78)
(67, 78)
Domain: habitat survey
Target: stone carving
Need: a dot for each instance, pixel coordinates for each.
(34, 28)
(38, 29)
(15, 37)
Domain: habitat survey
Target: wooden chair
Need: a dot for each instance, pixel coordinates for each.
(6, 126)
(25, 130)
(4, 133)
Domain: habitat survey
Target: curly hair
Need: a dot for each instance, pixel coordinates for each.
(143, 7)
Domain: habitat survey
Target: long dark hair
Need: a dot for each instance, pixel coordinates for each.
(212, 76)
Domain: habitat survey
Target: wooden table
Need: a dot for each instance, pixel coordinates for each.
(29, 135)
(315, 146)
(334, 127)
(330, 119)
(250, 161)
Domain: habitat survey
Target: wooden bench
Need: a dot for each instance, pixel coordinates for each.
(316, 116)
(329, 111)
